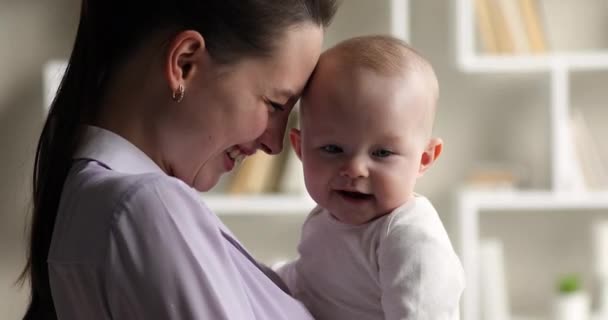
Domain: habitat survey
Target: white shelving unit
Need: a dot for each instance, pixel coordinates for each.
(270, 204)
(567, 191)
(558, 66)
(473, 203)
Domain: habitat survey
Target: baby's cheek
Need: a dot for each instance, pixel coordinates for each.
(316, 181)
(390, 191)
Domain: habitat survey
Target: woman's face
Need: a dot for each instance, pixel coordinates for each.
(229, 112)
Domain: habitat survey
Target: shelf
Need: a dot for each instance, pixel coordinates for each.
(471, 61)
(533, 200)
(524, 317)
(579, 61)
(474, 202)
(258, 204)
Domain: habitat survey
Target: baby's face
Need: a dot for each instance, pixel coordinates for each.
(362, 142)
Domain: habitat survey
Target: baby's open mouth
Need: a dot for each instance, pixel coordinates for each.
(355, 195)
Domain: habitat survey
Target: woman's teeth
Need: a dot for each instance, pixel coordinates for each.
(236, 155)
(233, 153)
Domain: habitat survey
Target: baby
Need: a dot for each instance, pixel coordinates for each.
(372, 248)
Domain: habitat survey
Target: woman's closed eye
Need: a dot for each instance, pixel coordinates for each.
(275, 106)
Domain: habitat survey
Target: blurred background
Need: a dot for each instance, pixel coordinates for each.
(521, 185)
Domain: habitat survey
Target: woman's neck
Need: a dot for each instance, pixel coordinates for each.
(132, 104)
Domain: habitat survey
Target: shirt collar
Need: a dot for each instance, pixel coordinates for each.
(115, 152)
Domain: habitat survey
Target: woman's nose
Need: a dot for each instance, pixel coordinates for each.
(271, 141)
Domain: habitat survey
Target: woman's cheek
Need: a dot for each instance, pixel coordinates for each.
(253, 126)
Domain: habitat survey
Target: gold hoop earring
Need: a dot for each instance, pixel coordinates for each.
(178, 95)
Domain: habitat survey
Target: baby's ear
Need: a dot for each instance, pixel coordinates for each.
(296, 141)
(429, 156)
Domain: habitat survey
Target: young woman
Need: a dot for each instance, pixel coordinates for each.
(160, 98)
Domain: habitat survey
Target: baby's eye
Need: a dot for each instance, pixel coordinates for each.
(382, 153)
(331, 148)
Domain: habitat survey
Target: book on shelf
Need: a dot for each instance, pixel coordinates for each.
(509, 26)
(586, 150)
(264, 174)
(495, 176)
(278, 171)
(530, 11)
(504, 36)
(254, 175)
(514, 26)
(485, 27)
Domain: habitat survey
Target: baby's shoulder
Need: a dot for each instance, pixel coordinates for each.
(416, 216)
(416, 224)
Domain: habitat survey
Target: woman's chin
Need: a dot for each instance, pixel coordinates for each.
(206, 182)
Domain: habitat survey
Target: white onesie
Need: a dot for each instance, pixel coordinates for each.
(399, 266)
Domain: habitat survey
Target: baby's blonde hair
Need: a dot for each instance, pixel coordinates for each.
(386, 55)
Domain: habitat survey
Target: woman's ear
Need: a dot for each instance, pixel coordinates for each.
(429, 156)
(296, 141)
(184, 58)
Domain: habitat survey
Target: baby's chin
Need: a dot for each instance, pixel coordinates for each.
(357, 218)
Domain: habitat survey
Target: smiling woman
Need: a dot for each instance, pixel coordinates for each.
(152, 107)
(196, 144)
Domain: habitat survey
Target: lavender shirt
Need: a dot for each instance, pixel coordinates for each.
(131, 242)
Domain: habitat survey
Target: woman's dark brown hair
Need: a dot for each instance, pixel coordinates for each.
(108, 32)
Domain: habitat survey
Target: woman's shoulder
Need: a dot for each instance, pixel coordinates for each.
(158, 196)
(120, 191)
(98, 203)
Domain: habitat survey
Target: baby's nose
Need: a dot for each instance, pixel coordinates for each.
(354, 168)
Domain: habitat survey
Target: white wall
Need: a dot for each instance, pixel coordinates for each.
(30, 33)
